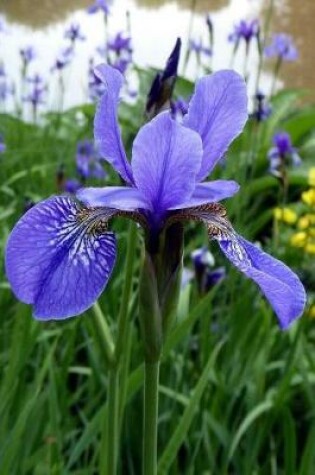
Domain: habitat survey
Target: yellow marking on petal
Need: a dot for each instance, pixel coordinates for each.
(311, 176)
(309, 196)
(287, 215)
(298, 239)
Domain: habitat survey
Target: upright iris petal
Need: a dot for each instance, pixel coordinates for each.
(166, 158)
(106, 129)
(218, 112)
(59, 258)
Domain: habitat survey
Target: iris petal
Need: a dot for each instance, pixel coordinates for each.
(106, 129)
(119, 197)
(279, 284)
(218, 112)
(58, 259)
(165, 160)
(211, 192)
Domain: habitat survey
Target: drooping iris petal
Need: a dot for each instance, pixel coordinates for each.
(211, 192)
(106, 128)
(57, 260)
(279, 284)
(165, 160)
(218, 112)
(118, 197)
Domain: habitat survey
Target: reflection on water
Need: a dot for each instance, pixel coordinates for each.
(155, 26)
(199, 6)
(40, 13)
(297, 18)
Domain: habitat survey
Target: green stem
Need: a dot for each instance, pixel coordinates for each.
(104, 333)
(123, 311)
(150, 418)
(112, 429)
(275, 76)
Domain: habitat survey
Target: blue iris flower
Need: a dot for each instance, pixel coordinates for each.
(60, 255)
(282, 153)
(99, 5)
(282, 47)
(73, 33)
(245, 30)
(28, 54)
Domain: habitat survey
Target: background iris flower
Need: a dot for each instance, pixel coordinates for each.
(282, 46)
(60, 255)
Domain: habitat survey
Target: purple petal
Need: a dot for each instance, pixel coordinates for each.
(279, 284)
(211, 192)
(218, 112)
(166, 159)
(56, 261)
(117, 197)
(106, 129)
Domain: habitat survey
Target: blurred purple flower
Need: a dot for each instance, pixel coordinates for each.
(71, 185)
(120, 44)
(36, 96)
(88, 161)
(121, 65)
(36, 79)
(263, 109)
(3, 25)
(60, 255)
(282, 47)
(2, 145)
(244, 30)
(179, 107)
(214, 277)
(202, 259)
(28, 54)
(73, 33)
(99, 5)
(6, 88)
(282, 153)
(63, 59)
(199, 48)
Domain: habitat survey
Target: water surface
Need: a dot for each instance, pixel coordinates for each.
(155, 25)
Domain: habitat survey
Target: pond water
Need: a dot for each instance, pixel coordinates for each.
(155, 25)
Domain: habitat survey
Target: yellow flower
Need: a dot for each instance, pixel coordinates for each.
(310, 247)
(311, 176)
(286, 215)
(311, 312)
(299, 239)
(309, 196)
(306, 221)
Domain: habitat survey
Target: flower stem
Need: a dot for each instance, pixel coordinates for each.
(150, 418)
(112, 429)
(104, 333)
(125, 300)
